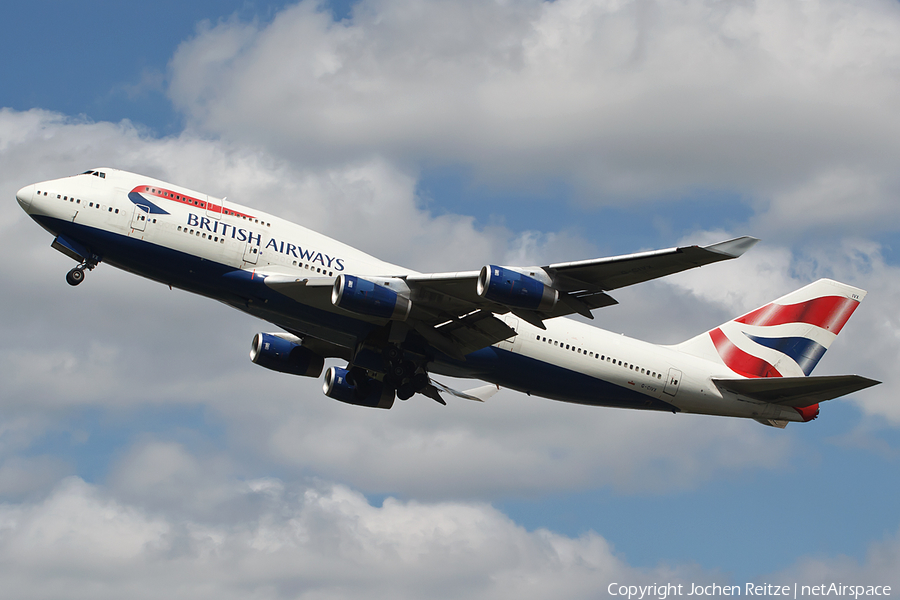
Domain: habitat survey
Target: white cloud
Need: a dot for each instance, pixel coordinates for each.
(30, 476)
(164, 475)
(326, 541)
(840, 201)
(514, 443)
(626, 98)
(880, 567)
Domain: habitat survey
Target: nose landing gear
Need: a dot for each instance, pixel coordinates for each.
(75, 276)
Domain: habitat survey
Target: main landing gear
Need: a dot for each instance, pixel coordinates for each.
(403, 375)
(76, 275)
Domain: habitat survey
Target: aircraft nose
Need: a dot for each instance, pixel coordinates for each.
(25, 196)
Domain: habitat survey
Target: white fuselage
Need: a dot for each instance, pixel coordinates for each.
(190, 240)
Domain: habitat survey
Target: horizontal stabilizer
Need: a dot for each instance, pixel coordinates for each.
(479, 394)
(795, 391)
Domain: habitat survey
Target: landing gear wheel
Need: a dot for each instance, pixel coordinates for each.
(75, 276)
(405, 391)
(412, 386)
(393, 354)
(409, 368)
(398, 372)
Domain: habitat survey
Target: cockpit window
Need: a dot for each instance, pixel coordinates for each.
(88, 173)
(95, 174)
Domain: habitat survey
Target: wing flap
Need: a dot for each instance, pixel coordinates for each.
(459, 337)
(797, 392)
(476, 331)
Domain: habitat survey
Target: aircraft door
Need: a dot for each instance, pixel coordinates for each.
(672, 382)
(214, 208)
(251, 253)
(513, 323)
(139, 220)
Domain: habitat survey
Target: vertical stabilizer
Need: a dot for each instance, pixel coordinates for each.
(785, 338)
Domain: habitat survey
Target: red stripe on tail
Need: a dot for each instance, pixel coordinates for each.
(828, 312)
(739, 361)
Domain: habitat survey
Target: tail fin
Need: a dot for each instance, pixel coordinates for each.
(785, 338)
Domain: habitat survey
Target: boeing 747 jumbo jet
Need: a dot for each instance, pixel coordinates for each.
(395, 327)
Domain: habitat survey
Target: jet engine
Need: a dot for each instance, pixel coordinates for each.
(283, 353)
(360, 390)
(515, 289)
(374, 298)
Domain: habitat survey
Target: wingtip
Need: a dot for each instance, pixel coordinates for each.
(734, 247)
(869, 381)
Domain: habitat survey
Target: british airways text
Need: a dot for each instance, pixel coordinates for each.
(245, 235)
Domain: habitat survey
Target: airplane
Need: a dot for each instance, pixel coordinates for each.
(396, 327)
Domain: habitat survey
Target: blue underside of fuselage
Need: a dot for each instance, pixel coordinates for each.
(235, 287)
(248, 293)
(525, 374)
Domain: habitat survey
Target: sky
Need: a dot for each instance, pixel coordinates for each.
(143, 455)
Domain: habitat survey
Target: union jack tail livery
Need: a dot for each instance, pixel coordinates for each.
(772, 350)
(785, 338)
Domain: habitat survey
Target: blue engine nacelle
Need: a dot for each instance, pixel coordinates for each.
(515, 289)
(370, 298)
(368, 392)
(284, 355)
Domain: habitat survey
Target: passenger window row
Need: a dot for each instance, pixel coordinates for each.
(200, 234)
(318, 269)
(75, 200)
(598, 356)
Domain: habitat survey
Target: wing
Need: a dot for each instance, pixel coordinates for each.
(451, 312)
(622, 271)
(581, 285)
